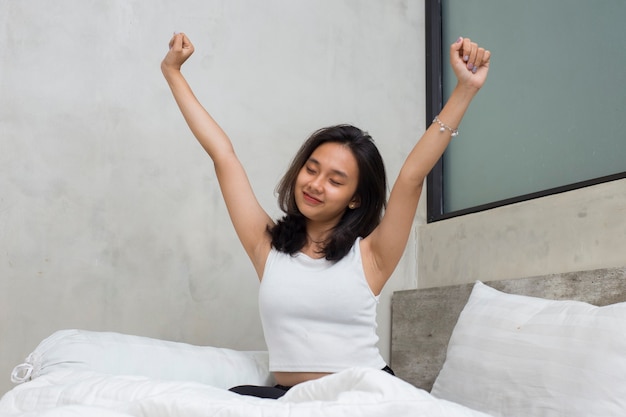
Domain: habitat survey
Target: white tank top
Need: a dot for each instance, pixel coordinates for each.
(318, 315)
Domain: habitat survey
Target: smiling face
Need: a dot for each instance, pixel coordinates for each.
(327, 183)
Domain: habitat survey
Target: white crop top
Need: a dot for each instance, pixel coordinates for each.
(318, 315)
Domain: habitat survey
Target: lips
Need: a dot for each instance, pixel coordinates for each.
(310, 199)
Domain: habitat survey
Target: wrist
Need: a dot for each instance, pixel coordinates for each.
(168, 69)
(465, 91)
(461, 96)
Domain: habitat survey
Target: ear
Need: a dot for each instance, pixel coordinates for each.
(355, 202)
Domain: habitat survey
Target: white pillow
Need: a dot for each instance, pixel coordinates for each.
(120, 354)
(512, 355)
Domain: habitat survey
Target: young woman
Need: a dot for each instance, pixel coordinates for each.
(323, 265)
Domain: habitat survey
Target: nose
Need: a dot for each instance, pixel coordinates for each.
(316, 184)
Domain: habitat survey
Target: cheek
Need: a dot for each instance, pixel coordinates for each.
(342, 196)
(300, 179)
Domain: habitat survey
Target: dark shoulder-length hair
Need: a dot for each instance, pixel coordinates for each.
(289, 233)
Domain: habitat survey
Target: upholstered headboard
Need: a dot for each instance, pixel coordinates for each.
(423, 320)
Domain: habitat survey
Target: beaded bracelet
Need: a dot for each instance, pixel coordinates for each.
(443, 127)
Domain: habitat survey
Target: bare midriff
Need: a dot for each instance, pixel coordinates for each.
(289, 379)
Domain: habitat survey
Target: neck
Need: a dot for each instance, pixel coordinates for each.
(318, 235)
(316, 240)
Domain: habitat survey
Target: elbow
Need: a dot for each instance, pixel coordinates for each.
(413, 178)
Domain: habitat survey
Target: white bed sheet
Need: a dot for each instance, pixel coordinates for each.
(355, 392)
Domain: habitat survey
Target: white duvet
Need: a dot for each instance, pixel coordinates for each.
(355, 393)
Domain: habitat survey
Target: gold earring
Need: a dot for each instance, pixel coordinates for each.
(352, 206)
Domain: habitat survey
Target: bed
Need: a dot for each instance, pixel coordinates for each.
(543, 346)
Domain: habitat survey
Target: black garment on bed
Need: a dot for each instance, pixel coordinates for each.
(274, 392)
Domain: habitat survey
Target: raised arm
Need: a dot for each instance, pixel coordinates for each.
(248, 217)
(384, 247)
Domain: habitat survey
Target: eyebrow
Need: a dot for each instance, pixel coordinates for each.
(334, 171)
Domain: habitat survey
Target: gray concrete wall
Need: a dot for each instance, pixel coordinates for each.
(573, 231)
(110, 215)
